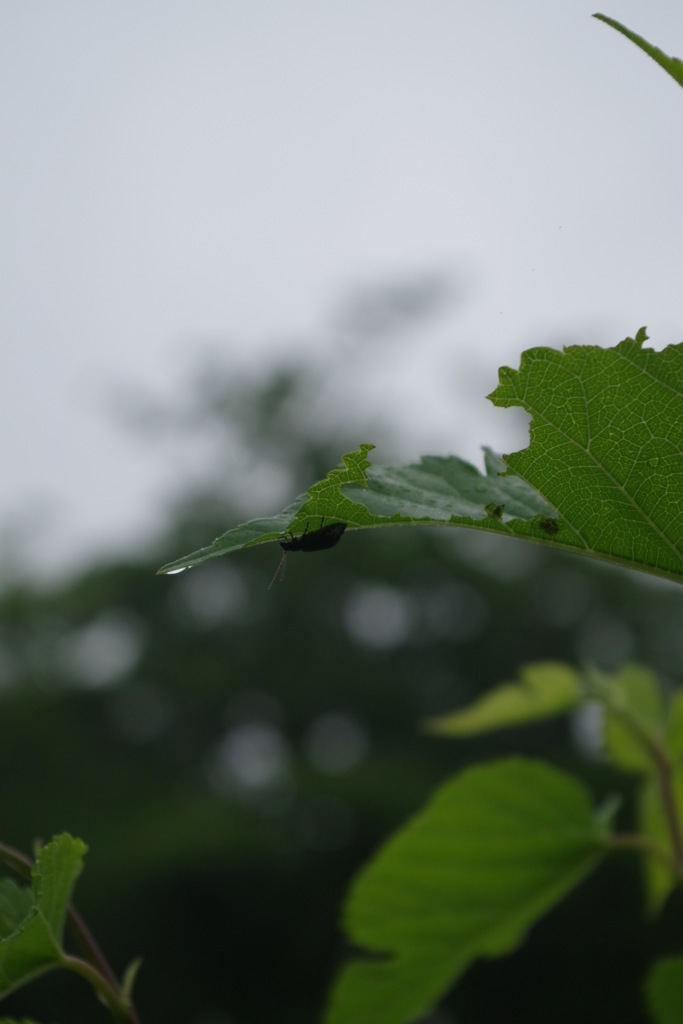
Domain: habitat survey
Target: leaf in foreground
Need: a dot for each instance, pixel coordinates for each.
(495, 849)
(36, 945)
(602, 476)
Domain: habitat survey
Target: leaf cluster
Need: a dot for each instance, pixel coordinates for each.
(502, 843)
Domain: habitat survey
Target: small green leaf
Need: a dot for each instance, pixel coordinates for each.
(494, 850)
(36, 945)
(664, 991)
(545, 689)
(672, 65)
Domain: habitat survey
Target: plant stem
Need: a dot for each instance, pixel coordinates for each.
(95, 967)
(644, 844)
(665, 773)
(666, 789)
(110, 994)
(668, 795)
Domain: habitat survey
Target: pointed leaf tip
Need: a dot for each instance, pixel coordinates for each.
(672, 65)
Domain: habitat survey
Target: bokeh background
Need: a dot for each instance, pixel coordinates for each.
(237, 241)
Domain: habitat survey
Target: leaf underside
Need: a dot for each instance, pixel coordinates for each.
(495, 849)
(672, 65)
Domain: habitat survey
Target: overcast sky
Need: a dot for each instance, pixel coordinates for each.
(179, 175)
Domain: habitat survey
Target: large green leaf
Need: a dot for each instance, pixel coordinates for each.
(603, 474)
(35, 946)
(672, 65)
(545, 689)
(495, 849)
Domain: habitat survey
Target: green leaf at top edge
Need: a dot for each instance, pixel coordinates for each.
(672, 65)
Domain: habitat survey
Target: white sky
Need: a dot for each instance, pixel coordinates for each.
(174, 172)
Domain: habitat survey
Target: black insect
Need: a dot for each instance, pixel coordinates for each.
(325, 537)
(318, 540)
